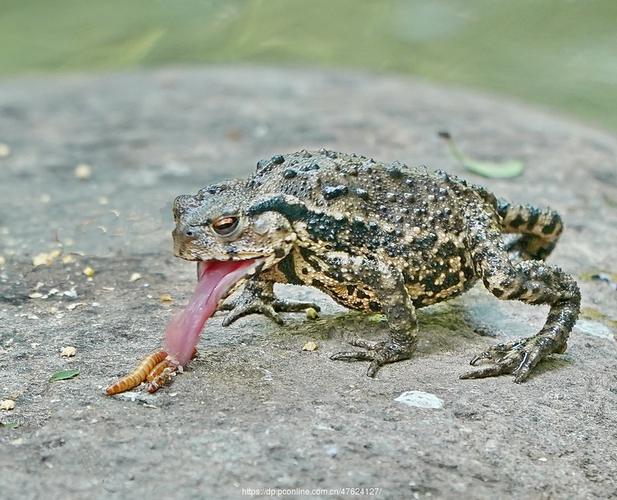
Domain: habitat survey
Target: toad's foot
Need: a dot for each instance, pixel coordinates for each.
(378, 353)
(243, 306)
(517, 357)
(258, 298)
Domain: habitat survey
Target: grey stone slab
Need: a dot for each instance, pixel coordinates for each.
(254, 410)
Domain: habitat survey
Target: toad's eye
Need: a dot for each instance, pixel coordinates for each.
(225, 226)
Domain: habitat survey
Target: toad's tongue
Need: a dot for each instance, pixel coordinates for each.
(215, 278)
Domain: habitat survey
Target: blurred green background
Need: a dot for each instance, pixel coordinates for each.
(558, 53)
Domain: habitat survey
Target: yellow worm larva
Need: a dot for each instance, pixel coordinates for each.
(138, 375)
(163, 373)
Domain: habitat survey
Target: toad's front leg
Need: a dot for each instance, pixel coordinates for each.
(400, 313)
(258, 298)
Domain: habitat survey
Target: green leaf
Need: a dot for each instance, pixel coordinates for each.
(494, 170)
(9, 425)
(64, 375)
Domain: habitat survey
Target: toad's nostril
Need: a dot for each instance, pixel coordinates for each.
(184, 233)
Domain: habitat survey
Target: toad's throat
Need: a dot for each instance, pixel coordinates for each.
(215, 279)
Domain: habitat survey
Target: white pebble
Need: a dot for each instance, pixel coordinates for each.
(420, 399)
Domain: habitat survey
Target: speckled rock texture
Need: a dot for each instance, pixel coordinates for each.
(254, 410)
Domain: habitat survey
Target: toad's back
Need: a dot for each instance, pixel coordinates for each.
(410, 218)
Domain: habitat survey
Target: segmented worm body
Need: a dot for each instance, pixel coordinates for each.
(163, 373)
(138, 375)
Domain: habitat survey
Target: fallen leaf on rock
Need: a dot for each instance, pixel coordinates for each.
(492, 170)
(88, 271)
(64, 375)
(310, 346)
(165, 297)
(135, 277)
(68, 352)
(9, 425)
(7, 405)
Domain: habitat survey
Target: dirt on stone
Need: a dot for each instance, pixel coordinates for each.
(255, 410)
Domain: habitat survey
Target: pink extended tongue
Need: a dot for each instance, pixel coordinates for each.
(215, 278)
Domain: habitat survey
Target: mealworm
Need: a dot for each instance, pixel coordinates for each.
(138, 375)
(163, 373)
(163, 376)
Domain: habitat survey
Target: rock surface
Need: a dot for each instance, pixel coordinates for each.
(254, 410)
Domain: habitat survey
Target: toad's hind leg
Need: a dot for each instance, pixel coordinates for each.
(531, 282)
(539, 230)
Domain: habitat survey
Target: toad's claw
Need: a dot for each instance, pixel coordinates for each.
(240, 307)
(378, 353)
(517, 358)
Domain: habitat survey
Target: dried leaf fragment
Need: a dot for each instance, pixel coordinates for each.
(7, 405)
(310, 346)
(165, 297)
(68, 351)
(135, 277)
(88, 271)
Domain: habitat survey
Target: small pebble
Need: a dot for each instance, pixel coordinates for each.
(135, 277)
(312, 313)
(4, 150)
(420, 399)
(83, 171)
(7, 405)
(68, 352)
(310, 346)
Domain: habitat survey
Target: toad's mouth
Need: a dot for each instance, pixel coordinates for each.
(215, 279)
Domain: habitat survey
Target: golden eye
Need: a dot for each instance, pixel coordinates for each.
(225, 226)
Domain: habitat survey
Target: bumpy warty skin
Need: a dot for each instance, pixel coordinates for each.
(382, 238)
